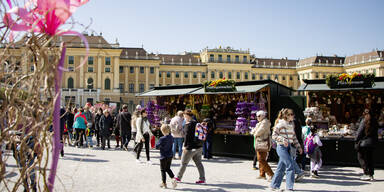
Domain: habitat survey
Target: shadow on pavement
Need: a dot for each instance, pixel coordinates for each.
(85, 159)
(229, 185)
(75, 154)
(339, 181)
(325, 191)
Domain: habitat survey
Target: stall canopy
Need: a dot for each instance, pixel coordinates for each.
(198, 89)
(320, 85)
(239, 89)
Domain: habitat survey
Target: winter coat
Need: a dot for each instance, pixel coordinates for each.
(262, 131)
(89, 117)
(124, 123)
(142, 128)
(165, 145)
(364, 140)
(106, 125)
(176, 125)
(80, 121)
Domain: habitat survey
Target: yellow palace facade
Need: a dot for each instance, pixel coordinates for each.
(116, 74)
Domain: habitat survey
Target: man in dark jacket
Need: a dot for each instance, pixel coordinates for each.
(125, 127)
(62, 126)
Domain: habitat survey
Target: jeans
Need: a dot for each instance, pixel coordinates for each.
(194, 154)
(294, 156)
(125, 139)
(285, 165)
(103, 138)
(207, 147)
(165, 167)
(177, 143)
(89, 140)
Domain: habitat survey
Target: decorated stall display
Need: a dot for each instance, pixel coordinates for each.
(241, 125)
(151, 112)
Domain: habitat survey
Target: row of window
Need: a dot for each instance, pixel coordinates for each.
(221, 75)
(228, 60)
(107, 85)
(71, 60)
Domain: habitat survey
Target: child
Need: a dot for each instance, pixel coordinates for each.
(315, 153)
(165, 145)
(89, 134)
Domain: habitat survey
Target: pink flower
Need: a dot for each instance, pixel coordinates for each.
(43, 16)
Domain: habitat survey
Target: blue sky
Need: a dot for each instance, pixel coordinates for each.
(269, 28)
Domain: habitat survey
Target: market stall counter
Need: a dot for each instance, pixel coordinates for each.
(336, 107)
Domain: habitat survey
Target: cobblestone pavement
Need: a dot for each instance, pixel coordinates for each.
(95, 170)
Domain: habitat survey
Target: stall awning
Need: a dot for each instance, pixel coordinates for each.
(324, 87)
(166, 92)
(239, 89)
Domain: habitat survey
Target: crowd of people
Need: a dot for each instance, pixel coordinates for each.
(179, 139)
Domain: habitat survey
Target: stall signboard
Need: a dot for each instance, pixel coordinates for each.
(355, 80)
(220, 85)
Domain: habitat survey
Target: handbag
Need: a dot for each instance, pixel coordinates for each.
(262, 146)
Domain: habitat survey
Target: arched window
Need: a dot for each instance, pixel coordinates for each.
(107, 84)
(90, 83)
(70, 83)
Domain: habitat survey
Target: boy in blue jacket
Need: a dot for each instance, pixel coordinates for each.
(165, 144)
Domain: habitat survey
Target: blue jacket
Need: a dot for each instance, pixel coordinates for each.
(165, 145)
(80, 121)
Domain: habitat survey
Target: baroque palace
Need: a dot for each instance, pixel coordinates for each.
(115, 74)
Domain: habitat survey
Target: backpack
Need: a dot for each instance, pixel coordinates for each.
(309, 144)
(201, 132)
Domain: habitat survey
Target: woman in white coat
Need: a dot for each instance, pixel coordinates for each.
(143, 135)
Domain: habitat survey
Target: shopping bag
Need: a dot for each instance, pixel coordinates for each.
(153, 142)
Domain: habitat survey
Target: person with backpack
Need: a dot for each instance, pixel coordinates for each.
(262, 144)
(305, 131)
(365, 143)
(125, 127)
(284, 135)
(176, 125)
(193, 148)
(312, 146)
(143, 135)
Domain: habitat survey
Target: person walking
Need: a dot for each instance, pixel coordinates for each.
(80, 124)
(312, 148)
(143, 135)
(262, 134)
(176, 125)
(284, 135)
(69, 122)
(125, 127)
(192, 149)
(165, 145)
(106, 126)
(136, 114)
(366, 141)
(116, 127)
(97, 126)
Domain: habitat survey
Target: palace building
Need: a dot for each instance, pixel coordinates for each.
(116, 74)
